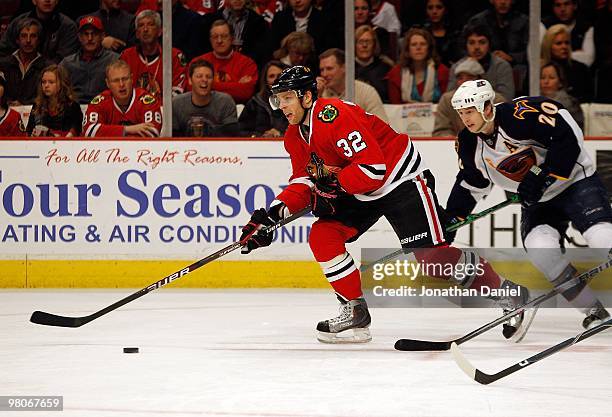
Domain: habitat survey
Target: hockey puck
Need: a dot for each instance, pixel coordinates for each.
(130, 350)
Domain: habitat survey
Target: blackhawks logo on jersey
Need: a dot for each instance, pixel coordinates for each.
(328, 114)
(147, 99)
(97, 99)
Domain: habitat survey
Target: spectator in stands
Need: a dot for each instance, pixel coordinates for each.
(145, 59)
(370, 66)
(118, 25)
(438, 23)
(203, 7)
(297, 48)
(57, 35)
(556, 47)
(86, 68)
(11, 124)
(509, 35)
(581, 31)
(603, 50)
(447, 121)
(552, 85)
(267, 9)
(497, 71)
(55, 111)
(386, 39)
(122, 110)
(248, 28)
(419, 76)
(385, 16)
(331, 83)
(23, 68)
(235, 74)
(301, 16)
(203, 112)
(257, 118)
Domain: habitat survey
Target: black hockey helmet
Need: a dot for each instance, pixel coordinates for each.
(297, 78)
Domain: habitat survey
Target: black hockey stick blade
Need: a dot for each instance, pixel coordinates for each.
(48, 319)
(425, 345)
(485, 379)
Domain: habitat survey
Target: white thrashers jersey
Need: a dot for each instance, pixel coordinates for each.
(528, 131)
(372, 159)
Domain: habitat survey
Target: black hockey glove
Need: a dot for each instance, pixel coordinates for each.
(451, 220)
(535, 182)
(252, 237)
(323, 204)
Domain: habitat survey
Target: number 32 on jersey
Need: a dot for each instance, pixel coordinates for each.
(352, 144)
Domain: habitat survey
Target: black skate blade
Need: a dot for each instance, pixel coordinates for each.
(413, 345)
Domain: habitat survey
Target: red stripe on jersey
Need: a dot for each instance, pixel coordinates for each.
(430, 210)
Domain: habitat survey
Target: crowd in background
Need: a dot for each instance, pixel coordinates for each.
(56, 55)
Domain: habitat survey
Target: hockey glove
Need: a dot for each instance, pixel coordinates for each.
(535, 182)
(252, 237)
(449, 236)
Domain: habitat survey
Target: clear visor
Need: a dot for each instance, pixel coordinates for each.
(282, 99)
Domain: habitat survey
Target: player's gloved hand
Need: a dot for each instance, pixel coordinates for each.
(252, 236)
(535, 182)
(323, 204)
(449, 236)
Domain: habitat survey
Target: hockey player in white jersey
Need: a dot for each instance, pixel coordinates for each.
(533, 147)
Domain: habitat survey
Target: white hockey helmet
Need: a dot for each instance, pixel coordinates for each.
(473, 94)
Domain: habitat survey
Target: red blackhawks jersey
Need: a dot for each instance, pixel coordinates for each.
(149, 75)
(11, 124)
(372, 158)
(105, 118)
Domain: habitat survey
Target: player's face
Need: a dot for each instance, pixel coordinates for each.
(91, 40)
(332, 72)
(147, 31)
(417, 48)
(289, 103)
(49, 84)
(201, 81)
(502, 6)
(477, 46)
(272, 75)
(28, 40)
(45, 6)
(119, 82)
(362, 12)
(472, 119)
(560, 48)
(221, 39)
(364, 47)
(564, 10)
(435, 10)
(549, 81)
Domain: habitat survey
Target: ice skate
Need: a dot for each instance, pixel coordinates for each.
(351, 326)
(595, 316)
(516, 327)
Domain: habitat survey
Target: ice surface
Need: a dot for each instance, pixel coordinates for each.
(254, 353)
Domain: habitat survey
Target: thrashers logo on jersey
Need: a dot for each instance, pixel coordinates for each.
(516, 165)
(328, 114)
(97, 99)
(521, 107)
(147, 99)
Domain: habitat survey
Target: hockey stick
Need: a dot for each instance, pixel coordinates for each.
(426, 345)
(48, 319)
(485, 379)
(451, 228)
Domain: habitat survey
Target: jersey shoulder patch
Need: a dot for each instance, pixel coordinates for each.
(328, 114)
(147, 99)
(97, 99)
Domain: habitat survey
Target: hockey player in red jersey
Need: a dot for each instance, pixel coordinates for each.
(353, 169)
(122, 110)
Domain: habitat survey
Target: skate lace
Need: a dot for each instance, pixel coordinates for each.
(345, 314)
